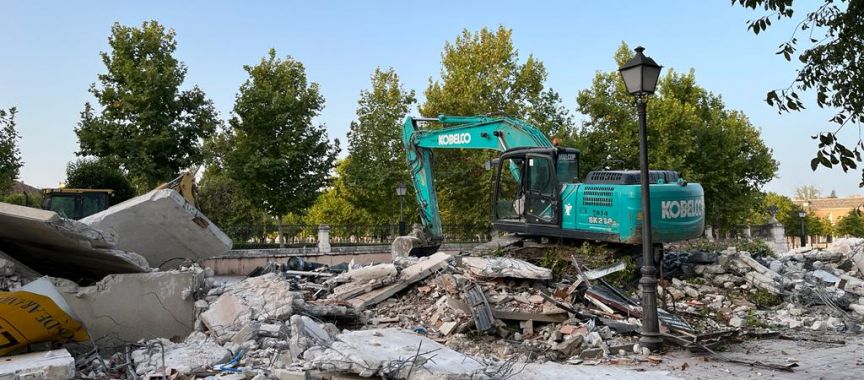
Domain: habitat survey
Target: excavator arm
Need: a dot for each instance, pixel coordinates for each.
(459, 132)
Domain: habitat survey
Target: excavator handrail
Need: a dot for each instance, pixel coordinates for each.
(459, 132)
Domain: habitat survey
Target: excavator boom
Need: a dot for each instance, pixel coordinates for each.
(459, 132)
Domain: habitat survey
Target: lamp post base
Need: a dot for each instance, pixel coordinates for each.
(653, 341)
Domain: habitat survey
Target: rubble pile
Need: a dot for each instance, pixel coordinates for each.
(817, 289)
(13, 274)
(454, 316)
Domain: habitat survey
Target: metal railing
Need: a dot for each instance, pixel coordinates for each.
(300, 235)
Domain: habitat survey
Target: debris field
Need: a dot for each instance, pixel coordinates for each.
(452, 315)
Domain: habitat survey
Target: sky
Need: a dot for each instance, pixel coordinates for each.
(49, 57)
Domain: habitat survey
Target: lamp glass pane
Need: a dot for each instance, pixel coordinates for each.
(632, 79)
(649, 77)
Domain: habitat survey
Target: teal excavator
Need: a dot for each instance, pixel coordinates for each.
(537, 191)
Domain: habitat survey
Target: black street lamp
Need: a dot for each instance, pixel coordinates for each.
(803, 215)
(400, 191)
(640, 75)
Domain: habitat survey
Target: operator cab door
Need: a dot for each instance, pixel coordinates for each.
(541, 190)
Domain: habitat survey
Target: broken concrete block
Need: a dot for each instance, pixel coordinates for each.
(571, 345)
(408, 276)
(382, 352)
(161, 225)
(591, 353)
(447, 328)
(125, 308)
(45, 365)
(372, 272)
(55, 246)
(285, 374)
(505, 267)
(182, 357)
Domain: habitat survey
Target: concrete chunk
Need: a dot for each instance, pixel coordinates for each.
(161, 225)
(505, 267)
(379, 352)
(60, 247)
(125, 308)
(46, 365)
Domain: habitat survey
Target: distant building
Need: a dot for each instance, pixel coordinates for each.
(831, 208)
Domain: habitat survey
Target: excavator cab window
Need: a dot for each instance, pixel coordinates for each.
(541, 204)
(567, 167)
(510, 201)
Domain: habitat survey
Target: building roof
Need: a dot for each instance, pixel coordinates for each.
(823, 203)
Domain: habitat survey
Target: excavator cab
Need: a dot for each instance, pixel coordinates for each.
(527, 186)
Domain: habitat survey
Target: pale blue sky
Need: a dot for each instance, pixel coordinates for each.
(49, 56)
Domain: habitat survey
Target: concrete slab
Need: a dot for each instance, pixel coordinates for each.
(383, 352)
(161, 225)
(125, 308)
(46, 365)
(505, 267)
(55, 246)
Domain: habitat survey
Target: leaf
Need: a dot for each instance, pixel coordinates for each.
(814, 163)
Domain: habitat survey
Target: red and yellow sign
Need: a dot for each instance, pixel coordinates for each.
(27, 318)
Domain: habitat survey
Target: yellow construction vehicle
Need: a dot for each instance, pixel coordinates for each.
(81, 203)
(76, 203)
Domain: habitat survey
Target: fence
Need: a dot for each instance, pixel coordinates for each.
(296, 235)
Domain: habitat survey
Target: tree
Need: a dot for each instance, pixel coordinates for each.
(830, 64)
(333, 205)
(807, 192)
(376, 164)
(279, 157)
(690, 130)
(851, 225)
(481, 74)
(147, 124)
(10, 154)
(225, 203)
(833, 194)
(89, 173)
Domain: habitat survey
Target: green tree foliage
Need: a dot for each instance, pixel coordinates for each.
(147, 124)
(10, 154)
(689, 130)
(830, 50)
(377, 159)
(333, 207)
(30, 200)
(90, 173)
(851, 225)
(481, 74)
(787, 211)
(807, 192)
(225, 203)
(816, 226)
(279, 157)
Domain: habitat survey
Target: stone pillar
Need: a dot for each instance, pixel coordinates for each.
(778, 238)
(709, 233)
(323, 238)
(746, 232)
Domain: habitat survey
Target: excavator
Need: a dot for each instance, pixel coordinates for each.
(537, 192)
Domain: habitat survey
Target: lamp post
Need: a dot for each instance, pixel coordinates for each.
(640, 76)
(803, 215)
(400, 191)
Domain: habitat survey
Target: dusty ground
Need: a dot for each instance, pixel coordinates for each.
(816, 360)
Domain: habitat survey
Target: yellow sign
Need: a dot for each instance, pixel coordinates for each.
(27, 318)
